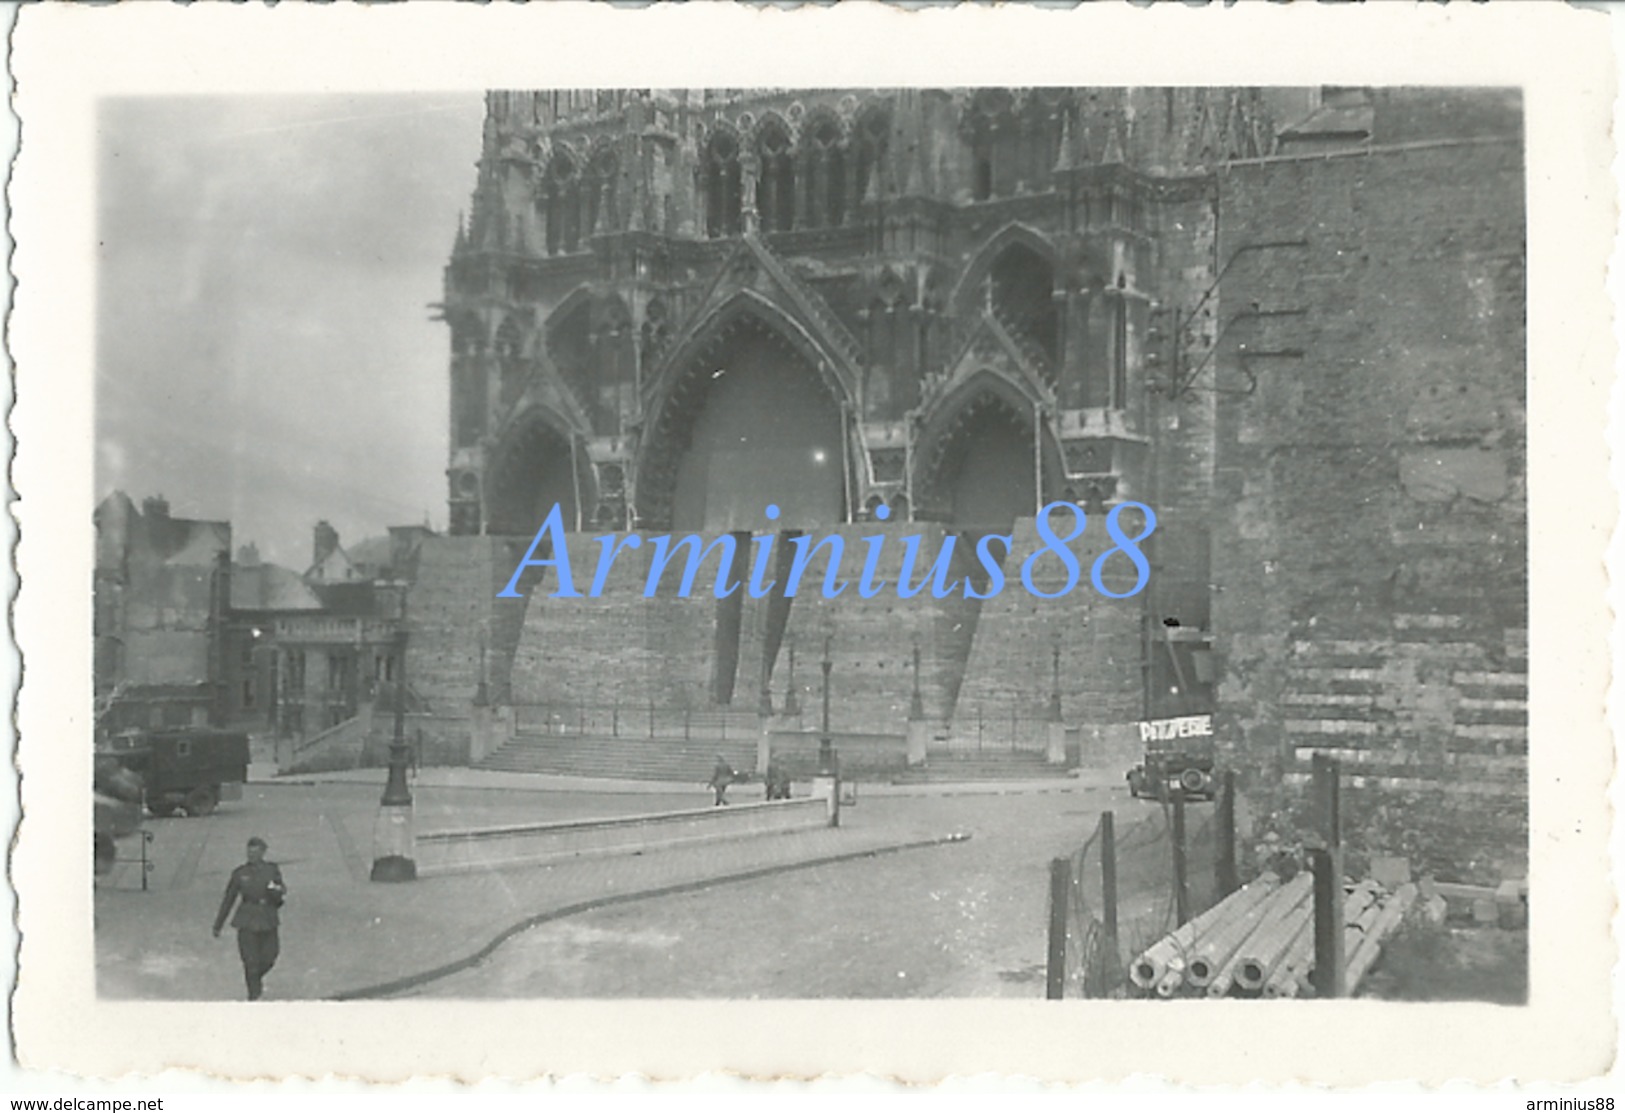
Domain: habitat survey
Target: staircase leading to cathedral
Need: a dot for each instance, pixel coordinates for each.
(948, 767)
(639, 759)
(691, 761)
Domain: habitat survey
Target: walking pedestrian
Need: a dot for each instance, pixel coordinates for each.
(722, 775)
(258, 885)
(778, 782)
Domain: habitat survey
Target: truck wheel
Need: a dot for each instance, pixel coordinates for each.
(106, 853)
(201, 801)
(1192, 781)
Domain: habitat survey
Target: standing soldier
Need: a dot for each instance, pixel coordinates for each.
(258, 884)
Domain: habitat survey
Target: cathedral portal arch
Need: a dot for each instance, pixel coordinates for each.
(970, 292)
(747, 411)
(977, 456)
(539, 461)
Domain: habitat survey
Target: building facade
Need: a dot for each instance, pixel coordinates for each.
(1290, 321)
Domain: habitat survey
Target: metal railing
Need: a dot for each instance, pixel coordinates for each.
(647, 720)
(998, 726)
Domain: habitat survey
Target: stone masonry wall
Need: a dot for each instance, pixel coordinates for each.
(1010, 671)
(1370, 531)
(451, 608)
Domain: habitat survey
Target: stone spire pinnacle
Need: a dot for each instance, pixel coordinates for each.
(915, 186)
(871, 192)
(1113, 155)
(1066, 157)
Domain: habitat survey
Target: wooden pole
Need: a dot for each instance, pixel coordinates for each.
(1325, 772)
(1328, 975)
(1182, 896)
(1229, 880)
(1108, 900)
(1060, 889)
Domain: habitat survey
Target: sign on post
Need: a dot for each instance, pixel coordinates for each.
(1182, 726)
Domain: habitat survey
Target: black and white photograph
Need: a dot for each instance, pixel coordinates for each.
(1038, 541)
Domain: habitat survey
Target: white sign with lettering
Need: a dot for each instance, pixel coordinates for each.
(1185, 726)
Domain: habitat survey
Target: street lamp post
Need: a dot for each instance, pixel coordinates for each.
(1056, 747)
(1055, 683)
(916, 703)
(393, 841)
(792, 705)
(826, 751)
(397, 794)
(827, 781)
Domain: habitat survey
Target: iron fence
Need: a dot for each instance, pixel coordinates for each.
(997, 726)
(636, 720)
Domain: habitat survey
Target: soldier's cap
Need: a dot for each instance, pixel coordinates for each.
(257, 841)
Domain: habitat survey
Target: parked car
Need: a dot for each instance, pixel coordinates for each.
(1187, 770)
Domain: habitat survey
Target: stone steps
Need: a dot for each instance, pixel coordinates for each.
(620, 758)
(947, 767)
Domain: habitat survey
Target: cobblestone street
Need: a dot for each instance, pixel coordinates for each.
(958, 919)
(964, 919)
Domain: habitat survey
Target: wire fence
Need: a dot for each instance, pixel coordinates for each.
(1127, 887)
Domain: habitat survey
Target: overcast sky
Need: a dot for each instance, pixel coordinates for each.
(265, 351)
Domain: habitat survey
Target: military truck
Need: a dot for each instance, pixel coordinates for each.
(184, 769)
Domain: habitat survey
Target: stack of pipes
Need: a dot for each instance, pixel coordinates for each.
(1260, 940)
(1163, 964)
(1289, 976)
(1264, 947)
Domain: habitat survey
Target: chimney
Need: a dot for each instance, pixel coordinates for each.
(326, 539)
(156, 508)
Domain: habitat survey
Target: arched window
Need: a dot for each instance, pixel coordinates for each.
(722, 186)
(1019, 287)
(990, 129)
(776, 189)
(572, 347)
(510, 364)
(563, 205)
(617, 361)
(1120, 349)
(603, 213)
(656, 331)
(873, 133)
(825, 175)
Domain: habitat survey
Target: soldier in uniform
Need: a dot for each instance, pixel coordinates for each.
(258, 885)
(722, 775)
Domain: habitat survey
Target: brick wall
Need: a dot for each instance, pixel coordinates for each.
(1369, 518)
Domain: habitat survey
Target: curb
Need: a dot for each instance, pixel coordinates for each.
(411, 981)
(656, 788)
